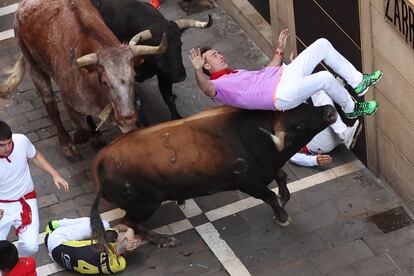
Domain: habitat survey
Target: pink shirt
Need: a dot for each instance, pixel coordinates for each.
(248, 89)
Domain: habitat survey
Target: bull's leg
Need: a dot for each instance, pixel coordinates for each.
(44, 87)
(81, 134)
(284, 194)
(165, 85)
(142, 213)
(161, 240)
(262, 192)
(97, 140)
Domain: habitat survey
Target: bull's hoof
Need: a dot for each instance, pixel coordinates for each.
(285, 223)
(167, 241)
(70, 150)
(81, 136)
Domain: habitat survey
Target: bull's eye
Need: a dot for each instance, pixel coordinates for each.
(105, 83)
(299, 127)
(123, 81)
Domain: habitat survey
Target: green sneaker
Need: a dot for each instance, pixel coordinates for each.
(51, 226)
(362, 109)
(367, 81)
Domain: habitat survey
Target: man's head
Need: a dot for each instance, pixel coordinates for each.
(214, 61)
(5, 138)
(8, 256)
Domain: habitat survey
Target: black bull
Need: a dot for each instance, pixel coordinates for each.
(127, 17)
(216, 150)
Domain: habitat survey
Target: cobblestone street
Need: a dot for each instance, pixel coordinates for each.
(227, 233)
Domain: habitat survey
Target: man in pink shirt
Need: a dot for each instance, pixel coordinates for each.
(283, 87)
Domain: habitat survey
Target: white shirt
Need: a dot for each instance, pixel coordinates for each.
(15, 179)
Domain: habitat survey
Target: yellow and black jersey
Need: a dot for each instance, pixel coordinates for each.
(82, 257)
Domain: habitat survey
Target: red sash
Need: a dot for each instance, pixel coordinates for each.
(26, 213)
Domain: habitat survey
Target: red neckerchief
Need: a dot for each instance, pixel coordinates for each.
(306, 150)
(7, 156)
(218, 74)
(26, 213)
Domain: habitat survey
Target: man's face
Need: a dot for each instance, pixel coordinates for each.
(5, 146)
(214, 61)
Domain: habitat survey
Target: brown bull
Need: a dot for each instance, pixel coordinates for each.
(217, 150)
(67, 41)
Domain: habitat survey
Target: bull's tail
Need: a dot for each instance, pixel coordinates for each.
(16, 76)
(98, 230)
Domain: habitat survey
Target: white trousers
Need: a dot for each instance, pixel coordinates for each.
(28, 238)
(297, 83)
(71, 230)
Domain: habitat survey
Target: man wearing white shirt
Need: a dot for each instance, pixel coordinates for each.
(17, 196)
(313, 153)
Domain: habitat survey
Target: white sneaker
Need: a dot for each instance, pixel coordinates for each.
(351, 135)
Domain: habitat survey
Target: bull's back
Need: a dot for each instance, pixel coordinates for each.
(54, 35)
(180, 153)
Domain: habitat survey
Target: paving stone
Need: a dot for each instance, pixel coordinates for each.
(298, 248)
(36, 114)
(15, 120)
(308, 221)
(381, 243)
(404, 256)
(341, 256)
(41, 256)
(259, 262)
(408, 272)
(48, 200)
(34, 125)
(347, 230)
(25, 96)
(302, 267)
(33, 137)
(192, 257)
(370, 201)
(341, 271)
(375, 266)
(334, 189)
(19, 108)
(73, 192)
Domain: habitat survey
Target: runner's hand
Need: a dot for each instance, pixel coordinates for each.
(60, 182)
(281, 43)
(1, 213)
(323, 159)
(196, 58)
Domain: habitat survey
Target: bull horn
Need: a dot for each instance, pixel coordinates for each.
(142, 36)
(16, 76)
(140, 50)
(191, 23)
(104, 115)
(89, 59)
(278, 139)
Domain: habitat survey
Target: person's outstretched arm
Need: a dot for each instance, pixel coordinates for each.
(42, 163)
(281, 43)
(202, 80)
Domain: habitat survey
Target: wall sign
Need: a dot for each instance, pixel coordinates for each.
(400, 15)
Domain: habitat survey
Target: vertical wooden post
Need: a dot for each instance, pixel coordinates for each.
(368, 66)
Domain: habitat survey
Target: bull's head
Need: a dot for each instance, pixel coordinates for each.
(115, 68)
(296, 127)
